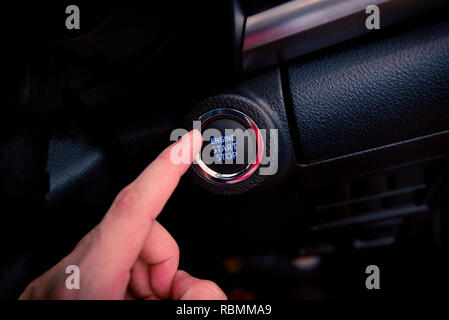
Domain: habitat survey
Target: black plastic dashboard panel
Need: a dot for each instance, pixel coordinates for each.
(385, 88)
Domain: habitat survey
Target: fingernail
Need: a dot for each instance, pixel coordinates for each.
(197, 142)
(190, 145)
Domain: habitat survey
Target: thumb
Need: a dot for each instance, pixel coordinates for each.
(186, 287)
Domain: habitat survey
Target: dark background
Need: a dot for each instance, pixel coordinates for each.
(363, 147)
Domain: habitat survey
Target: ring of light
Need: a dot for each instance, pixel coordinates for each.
(230, 178)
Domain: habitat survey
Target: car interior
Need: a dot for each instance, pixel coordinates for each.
(352, 119)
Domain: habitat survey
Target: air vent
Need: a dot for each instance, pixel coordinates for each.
(370, 210)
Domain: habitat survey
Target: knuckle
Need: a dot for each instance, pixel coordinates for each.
(166, 155)
(30, 291)
(126, 200)
(175, 249)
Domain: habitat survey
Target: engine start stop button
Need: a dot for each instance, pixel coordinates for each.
(232, 146)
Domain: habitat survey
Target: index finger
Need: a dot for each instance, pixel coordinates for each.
(124, 229)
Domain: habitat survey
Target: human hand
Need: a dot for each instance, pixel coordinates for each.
(129, 255)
